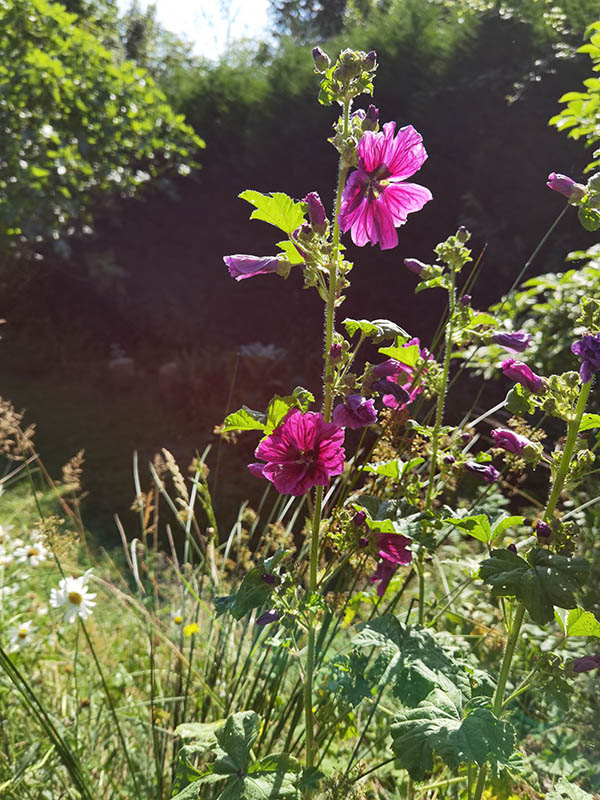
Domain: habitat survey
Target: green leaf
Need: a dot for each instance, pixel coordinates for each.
(235, 739)
(377, 329)
(203, 733)
(578, 622)
(395, 469)
(291, 252)
(548, 580)
(589, 217)
(278, 408)
(408, 355)
(246, 419)
(436, 726)
(504, 522)
(477, 526)
(277, 209)
(369, 329)
(567, 791)
(412, 662)
(253, 591)
(519, 401)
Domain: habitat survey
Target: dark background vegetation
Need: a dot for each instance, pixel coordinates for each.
(479, 80)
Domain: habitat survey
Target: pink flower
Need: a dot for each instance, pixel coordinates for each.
(403, 376)
(376, 201)
(302, 452)
(241, 267)
(392, 550)
(511, 441)
(520, 372)
(565, 186)
(355, 412)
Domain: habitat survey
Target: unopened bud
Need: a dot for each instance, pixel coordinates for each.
(449, 459)
(512, 548)
(321, 59)
(371, 60)
(465, 300)
(462, 234)
(363, 542)
(371, 119)
(542, 529)
(335, 351)
(359, 518)
(414, 265)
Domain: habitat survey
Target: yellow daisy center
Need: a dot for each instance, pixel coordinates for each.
(22, 634)
(75, 598)
(33, 551)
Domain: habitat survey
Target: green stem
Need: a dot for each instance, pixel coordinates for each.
(480, 782)
(318, 508)
(565, 462)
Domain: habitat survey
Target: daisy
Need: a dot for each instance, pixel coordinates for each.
(72, 593)
(31, 554)
(20, 636)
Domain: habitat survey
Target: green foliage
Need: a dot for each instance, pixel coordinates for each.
(78, 127)
(274, 776)
(436, 726)
(277, 209)
(567, 791)
(582, 113)
(543, 581)
(578, 622)
(479, 526)
(254, 591)
(377, 330)
(246, 419)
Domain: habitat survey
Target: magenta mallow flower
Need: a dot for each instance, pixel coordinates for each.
(316, 212)
(355, 412)
(486, 472)
(588, 350)
(302, 452)
(519, 372)
(241, 267)
(514, 342)
(394, 372)
(515, 443)
(393, 552)
(376, 200)
(565, 186)
(586, 663)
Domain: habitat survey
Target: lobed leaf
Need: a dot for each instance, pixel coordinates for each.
(277, 209)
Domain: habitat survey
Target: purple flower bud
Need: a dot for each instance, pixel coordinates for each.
(512, 442)
(465, 300)
(268, 578)
(335, 351)
(316, 212)
(268, 617)
(389, 387)
(514, 342)
(359, 518)
(465, 437)
(512, 548)
(371, 119)
(363, 542)
(519, 372)
(371, 60)
(588, 350)
(586, 663)
(360, 114)
(241, 267)
(486, 472)
(321, 59)
(448, 459)
(565, 186)
(355, 412)
(414, 265)
(542, 529)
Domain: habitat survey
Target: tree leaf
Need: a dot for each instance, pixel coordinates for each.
(548, 580)
(436, 726)
(277, 209)
(578, 622)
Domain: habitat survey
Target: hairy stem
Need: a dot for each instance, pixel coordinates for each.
(318, 507)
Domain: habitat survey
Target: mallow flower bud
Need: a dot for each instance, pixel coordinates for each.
(465, 300)
(321, 59)
(565, 186)
(316, 212)
(463, 235)
(371, 119)
(414, 265)
(371, 61)
(542, 529)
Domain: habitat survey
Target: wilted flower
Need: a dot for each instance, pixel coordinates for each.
(586, 663)
(515, 443)
(376, 200)
(486, 472)
(514, 342)
(519, 372)
(588, 350)
(20, 636)
(355, 412)
(72, 593)
(565, 186)
(302, 452)
(268, 617)
(393, 552)
(241, 266)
